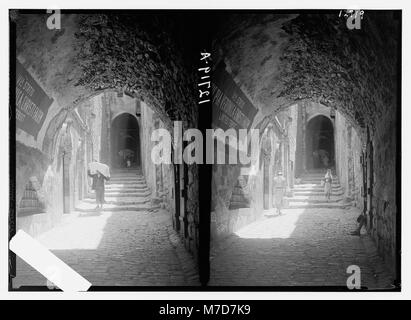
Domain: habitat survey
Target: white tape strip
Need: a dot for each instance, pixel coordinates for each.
(45, 262)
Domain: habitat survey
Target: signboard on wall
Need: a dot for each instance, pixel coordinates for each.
(231, 107)
(32, 103)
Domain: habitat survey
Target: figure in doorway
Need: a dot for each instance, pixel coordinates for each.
(328, 180)
(323, 158)
(126, 155)
(279, 191)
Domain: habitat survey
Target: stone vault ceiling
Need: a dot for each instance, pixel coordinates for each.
(283, 58)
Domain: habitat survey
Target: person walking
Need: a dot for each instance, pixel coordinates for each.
(279, 191)
(98, 181)
(328, 180)
(98, 187)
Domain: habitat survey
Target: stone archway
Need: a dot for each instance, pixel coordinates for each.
(319, 143)
(125, 141)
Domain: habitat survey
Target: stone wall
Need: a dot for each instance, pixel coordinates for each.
(349, 148)
(298, 131)
(294, 133)
(384, 197)
(49, 174)
(96, 105)
(41, 159)
(224, 178)
(159, 177)
(160, 180)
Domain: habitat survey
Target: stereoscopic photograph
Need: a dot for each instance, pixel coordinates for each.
(205, 150)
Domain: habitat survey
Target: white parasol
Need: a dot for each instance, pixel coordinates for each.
(101, 167)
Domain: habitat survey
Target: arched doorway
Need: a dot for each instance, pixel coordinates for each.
(125, 142)
(320, 143)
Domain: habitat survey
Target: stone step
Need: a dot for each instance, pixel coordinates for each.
(122, 193)
(302, 183)
(317, 175)
(317, 172)
(127, 175)
(126, 189)
(316, 182)
(130, 180)
(125, 182)
(317, 193)
(121, 200)
(88, 207)
(307, 205)
(313, 199)
(318, 188)
(125, 186)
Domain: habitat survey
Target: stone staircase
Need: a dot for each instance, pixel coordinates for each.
(308, 193)
(125, 191)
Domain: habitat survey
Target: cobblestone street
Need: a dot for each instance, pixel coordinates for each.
(303, 247)
(123, 248)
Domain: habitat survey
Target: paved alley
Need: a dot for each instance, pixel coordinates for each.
(121, 248)
(303, 247)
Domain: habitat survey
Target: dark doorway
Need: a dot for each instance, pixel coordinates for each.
(320, 143)
(125, 142)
